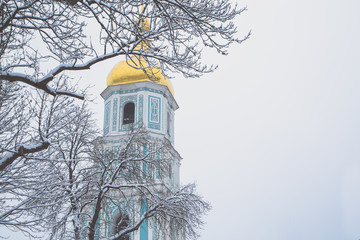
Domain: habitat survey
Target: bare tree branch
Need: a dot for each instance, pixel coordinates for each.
(21, 151)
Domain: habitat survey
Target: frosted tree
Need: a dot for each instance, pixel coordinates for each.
(34, 33)
(14, 121)
(67, 193)
(36, 120)
(139, 173)
(42, 40)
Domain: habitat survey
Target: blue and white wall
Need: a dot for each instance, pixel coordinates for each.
(154, 108)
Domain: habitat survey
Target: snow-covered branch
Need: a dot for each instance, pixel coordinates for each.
(21, 151)
(174, 31)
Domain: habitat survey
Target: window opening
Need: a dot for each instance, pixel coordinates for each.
(168, 123)
(122, 222)
(129, 112)
(170, 171)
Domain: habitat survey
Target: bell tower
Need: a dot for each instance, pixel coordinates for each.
(137, 98)
(131, 98)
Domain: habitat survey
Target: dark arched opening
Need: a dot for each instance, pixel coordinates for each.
(168, 123)
(121, 222)
(129, 112)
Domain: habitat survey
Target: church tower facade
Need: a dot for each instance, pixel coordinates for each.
(133, 101)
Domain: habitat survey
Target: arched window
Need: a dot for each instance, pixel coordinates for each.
(168, 123)
(170, 171)
(129, 112)
(121, 222)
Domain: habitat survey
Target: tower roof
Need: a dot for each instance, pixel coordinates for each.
(124, 73)
(135, 69)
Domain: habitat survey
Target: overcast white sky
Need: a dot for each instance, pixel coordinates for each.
(272, 137)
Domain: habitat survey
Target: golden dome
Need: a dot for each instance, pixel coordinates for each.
(135, 69)
(124, 73)
(145, 24)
